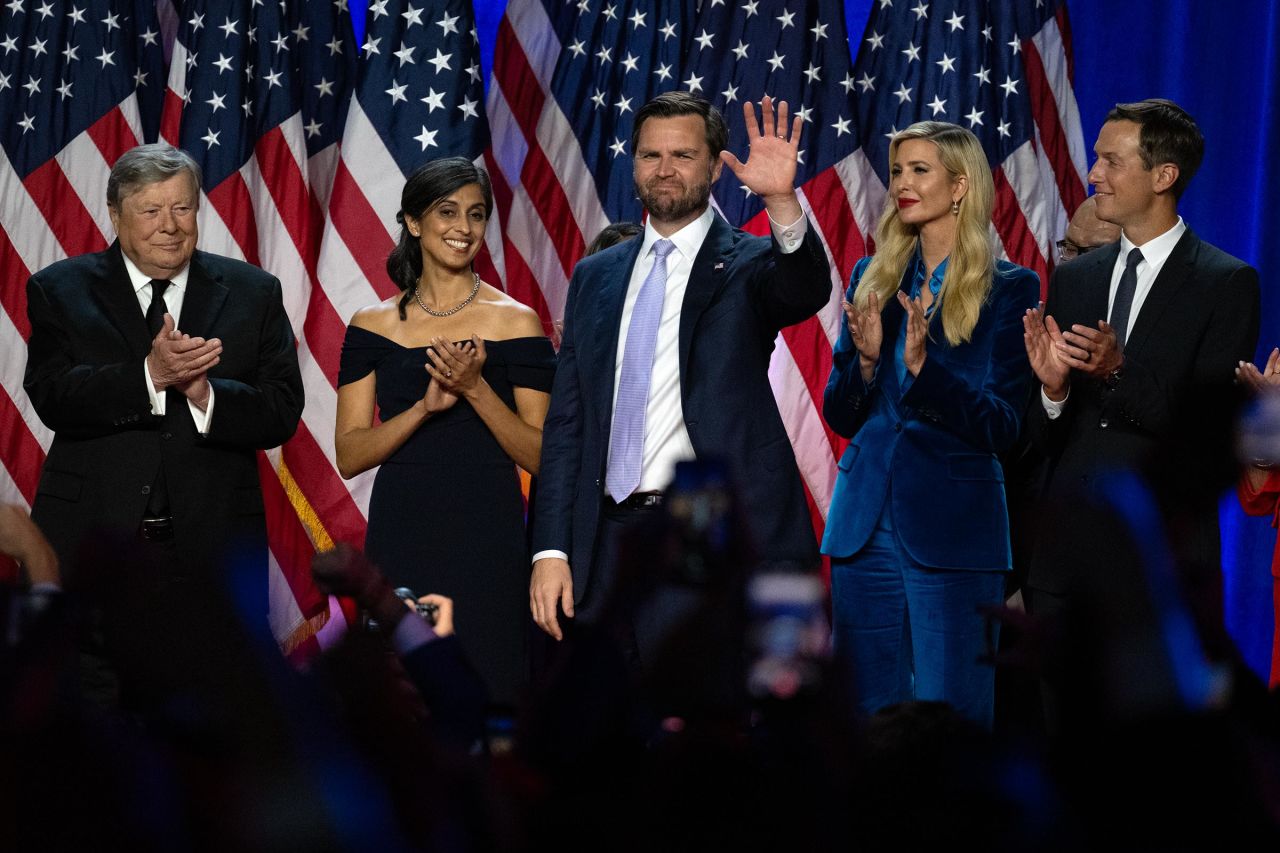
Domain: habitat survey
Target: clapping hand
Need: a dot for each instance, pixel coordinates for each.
(179, 360)
(457, 368)
(866, 332)
(913, 350)
(1257, 381)
(1094, 352)
(1040, 333)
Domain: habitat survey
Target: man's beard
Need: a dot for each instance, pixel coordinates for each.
(666, 207)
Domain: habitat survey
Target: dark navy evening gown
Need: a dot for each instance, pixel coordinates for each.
(446, 514)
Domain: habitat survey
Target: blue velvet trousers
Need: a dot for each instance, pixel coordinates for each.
(904, 631)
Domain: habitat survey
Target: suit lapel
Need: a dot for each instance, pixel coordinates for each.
(891, 329)
(119, 301)
(203, 300)
(1173, 275)
(1097, 284)
(611, 283)
(705, 280)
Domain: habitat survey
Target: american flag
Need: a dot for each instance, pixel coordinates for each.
(568, 76)
(306, 138)
(419, 95)
(80, 83)
(257, 93)
(567, 81)
(1003, 70)
(306, 135)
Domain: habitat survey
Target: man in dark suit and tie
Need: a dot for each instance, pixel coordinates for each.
(1130, 332)
(160, 370)
(665, 356)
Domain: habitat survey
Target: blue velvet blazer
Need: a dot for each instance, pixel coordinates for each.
(932, 451)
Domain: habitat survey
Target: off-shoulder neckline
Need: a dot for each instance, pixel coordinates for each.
(425, 346)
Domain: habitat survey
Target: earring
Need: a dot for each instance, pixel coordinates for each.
(955, 208)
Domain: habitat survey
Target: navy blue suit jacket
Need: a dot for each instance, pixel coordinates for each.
(933, 451)
(742, 291)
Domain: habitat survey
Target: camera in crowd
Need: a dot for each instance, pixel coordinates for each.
(426, 610)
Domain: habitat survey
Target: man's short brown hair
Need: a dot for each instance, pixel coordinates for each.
(1167, 134)
(673, 104)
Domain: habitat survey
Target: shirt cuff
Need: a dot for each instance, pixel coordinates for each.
(789, 237)
(1052, 409)
(412, 633)
(542, 555)
(157, 397)
(202, 419)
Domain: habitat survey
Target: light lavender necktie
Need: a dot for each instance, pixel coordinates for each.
(626, 441)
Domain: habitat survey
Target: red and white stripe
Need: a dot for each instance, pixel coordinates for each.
(58, 211)
(535, 157)
(268, 214)
(1045, 180)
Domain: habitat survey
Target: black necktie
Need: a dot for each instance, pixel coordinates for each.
(156, 310)
(1124, 296)
(158, 499)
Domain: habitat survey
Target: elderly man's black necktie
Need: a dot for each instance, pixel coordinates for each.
(158, 498)
(156, 310)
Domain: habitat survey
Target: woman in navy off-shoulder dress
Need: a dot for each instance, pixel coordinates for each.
(460, 375)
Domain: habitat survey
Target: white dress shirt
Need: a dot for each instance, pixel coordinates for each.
(666, 439)
(1154, 254)
(173, 297)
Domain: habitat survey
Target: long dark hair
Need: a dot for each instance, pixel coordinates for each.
(429, 185)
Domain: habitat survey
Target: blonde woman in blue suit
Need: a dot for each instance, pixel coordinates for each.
(928, 381)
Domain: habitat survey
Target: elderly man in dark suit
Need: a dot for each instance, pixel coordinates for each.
(1130, 331)
(665, 355)
(160, 369)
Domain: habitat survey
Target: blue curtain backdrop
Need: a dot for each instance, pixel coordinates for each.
(1220, 59)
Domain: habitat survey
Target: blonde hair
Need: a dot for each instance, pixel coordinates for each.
(967, 280)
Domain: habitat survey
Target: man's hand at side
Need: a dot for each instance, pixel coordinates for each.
(551, 585)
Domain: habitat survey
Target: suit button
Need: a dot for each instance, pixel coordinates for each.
(166, 435)
(146, 490)
(897, 427)
(1104, 423)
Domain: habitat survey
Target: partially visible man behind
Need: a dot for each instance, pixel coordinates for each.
(1086, 232)
(160, 370)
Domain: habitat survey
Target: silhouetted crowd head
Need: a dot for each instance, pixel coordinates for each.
(736, 735)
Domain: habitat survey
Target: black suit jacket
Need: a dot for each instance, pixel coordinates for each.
(1199, 320)
(742, 290)
(85, 378)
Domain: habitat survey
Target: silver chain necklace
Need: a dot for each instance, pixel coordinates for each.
(475, 288)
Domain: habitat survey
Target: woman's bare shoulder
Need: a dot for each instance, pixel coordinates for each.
(514, 318)
(380, 317)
